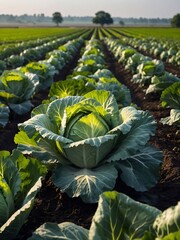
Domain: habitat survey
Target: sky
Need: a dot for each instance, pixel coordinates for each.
(117, 8)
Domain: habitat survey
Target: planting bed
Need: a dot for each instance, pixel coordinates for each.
(54, 206)
(167, 138)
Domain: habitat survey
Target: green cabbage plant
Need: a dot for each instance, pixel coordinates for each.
(170, 97)
(45, 72)
(20, 180)
(126, 54)
(91, 63)
(135, 60)
(15, 61)
(146, 70)
(17, 90)
(160, 83)
(69, 87)
(88, 141)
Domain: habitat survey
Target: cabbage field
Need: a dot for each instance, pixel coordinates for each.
(90, 133)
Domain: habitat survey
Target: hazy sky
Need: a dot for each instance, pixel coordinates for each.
(117, 8)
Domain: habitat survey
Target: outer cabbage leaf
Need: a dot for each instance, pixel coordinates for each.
(158, 87)
(17, 190)
(21, 108)
(120, 217)
(65, 230)
(41, 109)
(41, 123)
(172, 236)
(120, 92)
(11, 228)
(173, 118)
(29, 170)
(141, 126)
(87, 183)
(6, 201)
(168, 222)
(9, 172)
(170, 97)
(46, 150)
(149, 160)
(4, 115)
(69, 87)
(57, 108)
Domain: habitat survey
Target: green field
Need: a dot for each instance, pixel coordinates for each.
(159, 33)
(11, 35)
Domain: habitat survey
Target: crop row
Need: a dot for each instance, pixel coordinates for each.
(26, 84)
(150, 73)
(24, 52)
(7, 49)
(166, 50)
(86, 133)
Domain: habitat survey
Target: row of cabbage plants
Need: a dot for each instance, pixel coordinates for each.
(86, 140)
(150, 73)
(166, 50)
(18, 86)
(20, 176)
(19, 44)
(32, 51)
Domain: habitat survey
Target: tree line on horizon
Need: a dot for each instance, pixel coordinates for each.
(41, 18)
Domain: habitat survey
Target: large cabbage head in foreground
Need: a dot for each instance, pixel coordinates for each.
(88, 140)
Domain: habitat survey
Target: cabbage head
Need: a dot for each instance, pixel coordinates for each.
(17, 90)
(87, 140)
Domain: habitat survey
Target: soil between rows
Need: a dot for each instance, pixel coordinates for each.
(53, 206)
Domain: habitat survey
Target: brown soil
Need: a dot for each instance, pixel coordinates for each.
(53, 206)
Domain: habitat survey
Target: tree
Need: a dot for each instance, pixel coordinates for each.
(102, 18)
(121, 22)
(175, 22)
(57, 18)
